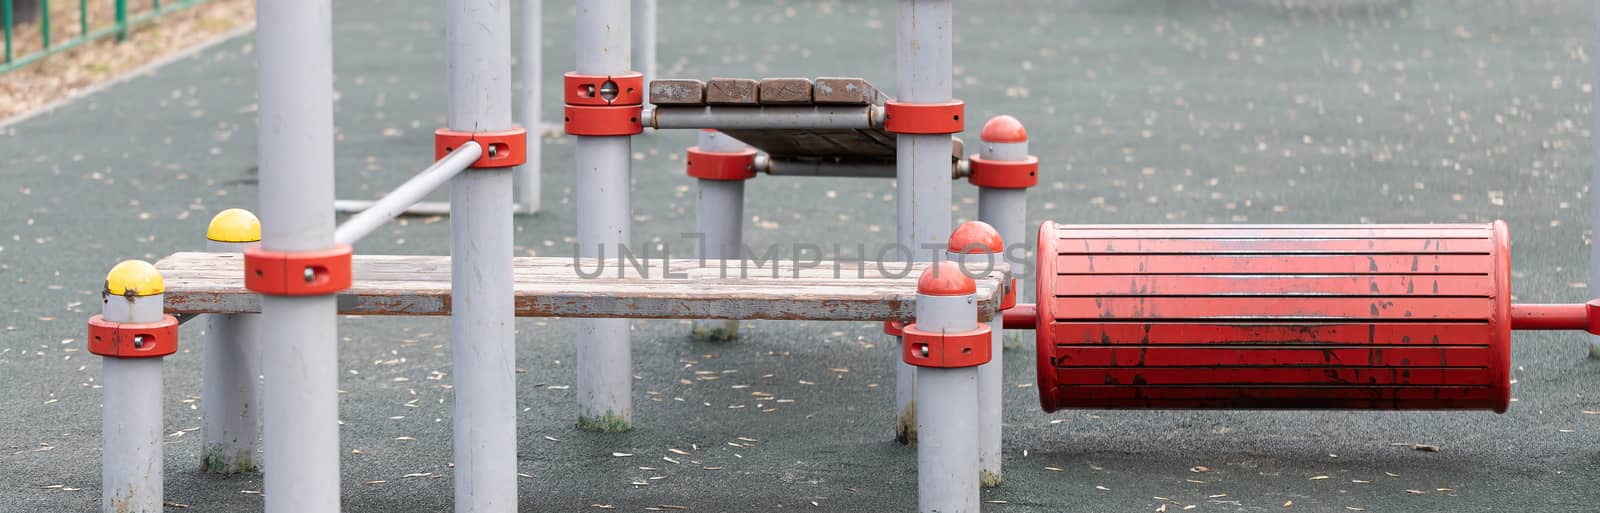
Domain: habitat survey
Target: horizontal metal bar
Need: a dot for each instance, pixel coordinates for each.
(1572, 317)
(420, 208)
(784, 167)
(771, 117)
(408, 194)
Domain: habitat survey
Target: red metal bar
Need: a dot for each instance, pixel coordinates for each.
(1021, 317)
(1576, 316)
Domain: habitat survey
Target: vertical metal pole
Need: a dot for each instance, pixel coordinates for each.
(44, 23)
(121, 14)
(131, 475)
(529, 176)
(719, 217)
(978, 247)
(922, 168)
(483, 343)
(1594, 211)
(1006, 209)
(300, 417)
(644, 39)
(5, 18)
(605, 360)
(231, 369)
(947, 420)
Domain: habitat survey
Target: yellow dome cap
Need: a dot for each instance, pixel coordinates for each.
(234, 225)
(136, 278)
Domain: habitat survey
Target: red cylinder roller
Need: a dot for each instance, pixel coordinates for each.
(1293, 317)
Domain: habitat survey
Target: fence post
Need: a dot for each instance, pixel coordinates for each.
(133, 335)
(122, 20)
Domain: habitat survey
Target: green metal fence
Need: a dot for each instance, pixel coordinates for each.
(121, 23)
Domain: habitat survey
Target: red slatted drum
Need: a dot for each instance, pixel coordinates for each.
(1401, 317)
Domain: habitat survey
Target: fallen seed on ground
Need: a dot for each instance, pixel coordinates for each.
(1198, 469)
(1055, 469)
(1102, 488)
(376, 482)
(1288, 504)
(1318, 478)
(622, 454)
(1415, 492)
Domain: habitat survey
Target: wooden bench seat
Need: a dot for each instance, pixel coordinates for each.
(199, 283)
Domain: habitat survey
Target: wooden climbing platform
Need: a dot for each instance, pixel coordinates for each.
(845, 145)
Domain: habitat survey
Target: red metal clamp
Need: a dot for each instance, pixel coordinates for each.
(924, 118)
(894, 328)
(945, 350)
(589, 111)
(1003, 174)
(591, 89)
(133, 340)
(708, 165)
(507, 148)
(1010, 299)
(305, 273)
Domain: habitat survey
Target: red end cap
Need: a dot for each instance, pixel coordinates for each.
(1591, 311)
(945, 279)
(1004, 129)
(976, 237)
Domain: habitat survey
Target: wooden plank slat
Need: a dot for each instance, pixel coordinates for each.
(677, 91)
(845, 91)
(732, 91)
(785, 91)
(552, 287)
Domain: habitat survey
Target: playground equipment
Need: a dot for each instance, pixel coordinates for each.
(1278, 316)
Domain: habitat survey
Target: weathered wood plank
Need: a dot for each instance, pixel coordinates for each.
(844, 91)
(732, 91)
(552, 287)
(677, 91)
(785, 91)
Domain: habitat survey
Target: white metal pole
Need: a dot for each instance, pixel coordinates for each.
(1006, 208)
(947, 417)
(719, 217)
(407, 194)
(231, 367)
(979, 248)
(483, 345)
(1594, 210)
(605, 360)
(131, 475)
(530, 175)
(923, 66)
(644, 39)
(300, 417)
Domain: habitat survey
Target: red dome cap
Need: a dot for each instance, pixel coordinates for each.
(945, 278)
(1004, 129)
(973, 235)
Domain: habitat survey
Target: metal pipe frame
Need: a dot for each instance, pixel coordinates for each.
(483, 340)
(230, 387)
(860, 117)
(644, 38)
(300, 417)
(407, 194)
(1594, 211)
(131, 475)
(719, 218)
(821, 168)
(947, 422)
(529, 176)
(604, 204)
(924, 71)
(991, 380)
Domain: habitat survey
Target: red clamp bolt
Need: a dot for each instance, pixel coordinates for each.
(924, 118)
(133, 340)
(507, 148)
(603, 105)
(945, 350)
(304, 273)
(709, 165)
